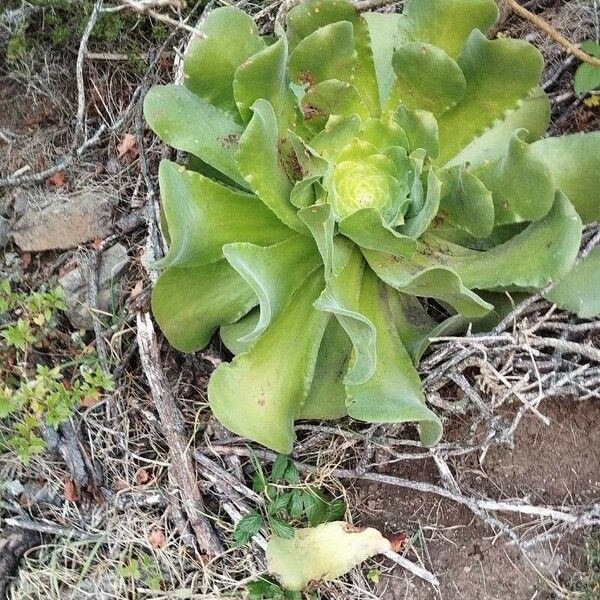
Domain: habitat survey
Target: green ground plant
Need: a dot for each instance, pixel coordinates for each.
(356, 185)
(34, 391)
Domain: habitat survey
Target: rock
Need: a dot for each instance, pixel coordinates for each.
(59, 220)
(4, 229)
(75, 286)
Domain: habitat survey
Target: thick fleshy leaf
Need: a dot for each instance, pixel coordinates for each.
(550, 246)
(189, 303)
(264, 75)
(336, 41)
(499, 73)
(259, 161)
(466, 202)
(320, 222)
(426, 78)
(393, 394)
(575, 164)
(341, 298)
(579, 290)
(367, 228)
(421, 128)
(522, 185)
(259, 394)
(274, 273)
(309, 16)
(299, 160)
(327, 395)
(447, 23)
(189, 123)
(415, 226)
(383, 29)
(193, 203)
(532, 115)
(322, 553)
(210, 64)
(338, 132)
(427, 278)
(233, 333)
(331, 97)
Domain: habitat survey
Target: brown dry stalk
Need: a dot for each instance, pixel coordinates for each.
(556, 35)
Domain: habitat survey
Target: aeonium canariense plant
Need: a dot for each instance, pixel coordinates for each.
(342, 175)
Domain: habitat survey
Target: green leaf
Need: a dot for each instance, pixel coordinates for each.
(320, 222)
(279, 466)
(193, 203)
(393, 394)
(521, 183)
(247, 527)
(500, 74)
(574, 161)
(258, 395)
(233, 333)
(341, 298)
(274, 273)
(467, 202)
(532, 115)
(281, 529)
(190, 303)
(420, 127)
(209, 64)
(189, 123)
(315, 506)
(426, 78)
(447, 23)
(330, 97)
(587, 77)
(383, 30)
(415, 226)
(264, 75)
(321, 553)
(259, 161)
(326, 398)
(296, 508)
(336, 41)
(550, 245)
(309, 16)
(577, 291)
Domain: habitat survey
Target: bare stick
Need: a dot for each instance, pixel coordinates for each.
(182, 469)
(556, 35)
(79, 72)
(412, 567)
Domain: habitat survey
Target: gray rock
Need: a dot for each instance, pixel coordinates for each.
(60, 221)
(4, 229)
(75, 286)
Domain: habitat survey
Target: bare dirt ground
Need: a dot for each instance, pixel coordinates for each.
(121, 503)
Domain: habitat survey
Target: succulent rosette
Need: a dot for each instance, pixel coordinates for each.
(354, 186)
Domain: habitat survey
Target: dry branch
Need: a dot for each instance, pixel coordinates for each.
(171, 419)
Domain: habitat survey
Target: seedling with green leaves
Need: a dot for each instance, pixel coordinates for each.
(30, 393)
(288, 503)
(355, 186)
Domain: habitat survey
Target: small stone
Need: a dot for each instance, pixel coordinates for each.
(60, 221)
(75, 286)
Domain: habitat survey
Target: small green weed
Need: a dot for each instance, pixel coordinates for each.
(143, 569)
(587, 585)
(289, 503)
(31, 392)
